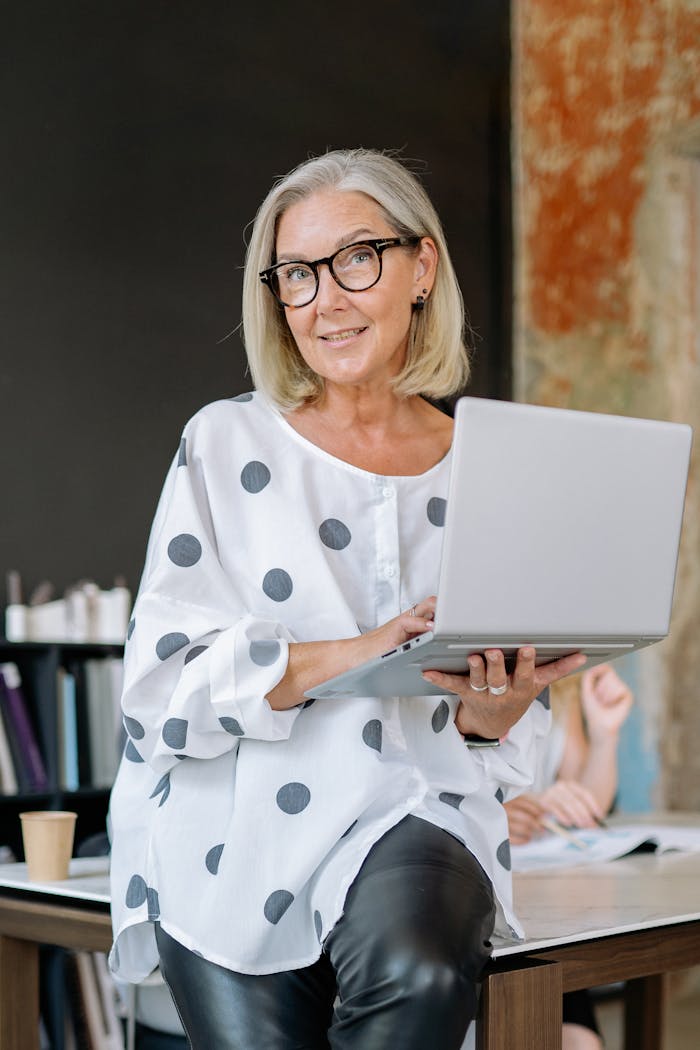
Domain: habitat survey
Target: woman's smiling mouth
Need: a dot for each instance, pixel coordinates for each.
(343, 336)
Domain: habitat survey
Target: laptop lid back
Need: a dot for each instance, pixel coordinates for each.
(561, 524)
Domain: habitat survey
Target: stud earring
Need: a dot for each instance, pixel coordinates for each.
(420, 300)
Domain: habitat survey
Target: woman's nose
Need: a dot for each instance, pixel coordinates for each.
(329, 291)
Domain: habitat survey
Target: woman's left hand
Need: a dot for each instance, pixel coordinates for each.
(493, 701)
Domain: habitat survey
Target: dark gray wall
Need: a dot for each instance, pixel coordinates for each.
(137, 142)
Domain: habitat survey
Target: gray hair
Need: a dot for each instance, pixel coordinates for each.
(437, 363)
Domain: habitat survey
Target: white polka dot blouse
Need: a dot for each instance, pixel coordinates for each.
(240, 828)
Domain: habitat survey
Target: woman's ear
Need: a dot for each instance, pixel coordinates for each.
(426, 266)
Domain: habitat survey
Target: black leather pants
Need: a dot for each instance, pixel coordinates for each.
(405, 962)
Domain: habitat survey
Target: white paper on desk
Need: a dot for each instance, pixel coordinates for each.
(602, 844)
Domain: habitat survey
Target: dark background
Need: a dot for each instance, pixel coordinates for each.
(137, 142)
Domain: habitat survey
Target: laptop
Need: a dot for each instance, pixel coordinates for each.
(561, 531)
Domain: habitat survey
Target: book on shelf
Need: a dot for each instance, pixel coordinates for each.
(8, 777)
(67, 731)
(101, 725)
(24, 746)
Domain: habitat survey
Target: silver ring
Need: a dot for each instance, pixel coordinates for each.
(498, 690)
(479, 688)
(412, 611)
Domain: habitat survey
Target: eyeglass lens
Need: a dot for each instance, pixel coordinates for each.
(356, 268)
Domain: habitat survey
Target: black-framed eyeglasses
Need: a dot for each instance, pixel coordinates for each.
(356, 267)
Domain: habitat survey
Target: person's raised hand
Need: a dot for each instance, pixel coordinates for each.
(606, 701)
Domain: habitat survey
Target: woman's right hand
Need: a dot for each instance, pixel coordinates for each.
(416, 620)
(313, 662)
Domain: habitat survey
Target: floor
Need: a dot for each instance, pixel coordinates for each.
(683, 1016)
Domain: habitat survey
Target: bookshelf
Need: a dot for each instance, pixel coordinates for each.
(46, 670)
(92, 671)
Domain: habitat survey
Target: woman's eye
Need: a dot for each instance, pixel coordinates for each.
(360, 257)
(297, 273)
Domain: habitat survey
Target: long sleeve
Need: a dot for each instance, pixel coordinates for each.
(198, 662)
(513, 764)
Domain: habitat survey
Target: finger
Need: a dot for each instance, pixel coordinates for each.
(451, 683)
(477, 673)
(519, 833)
(527, 804)
(548, 673)
(572, 804)
(524, 672)
(495, 669)
(587, 799)
(412, 625)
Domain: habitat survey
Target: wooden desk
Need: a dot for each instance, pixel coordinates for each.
(74, 914)
(633, 919)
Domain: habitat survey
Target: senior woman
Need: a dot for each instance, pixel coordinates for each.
(324, 873)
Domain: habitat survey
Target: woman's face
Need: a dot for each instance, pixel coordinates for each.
(352, 338)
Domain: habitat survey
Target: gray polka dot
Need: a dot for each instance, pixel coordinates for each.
(277, 585)
(115, 956)
(499, 795)
(503, 854)
(436, 510)
(170, 643)
(293, 798)
(175, 733)
(318, 924)
(213, 857)
(265, 652)
(277, 904)
(153, 905)
(134, 728)
(334, 534)
(372, 734)
(164, 786)
(543, 698)
(182, 453)
(232, 726)
(184, 550)
(255, 476)
(440, 716)
(130, 628)
(131, 753)
(451, 799)
(136, 892)
(195, 651)
(242, 397)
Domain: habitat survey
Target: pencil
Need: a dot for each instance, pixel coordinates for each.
(557, 829)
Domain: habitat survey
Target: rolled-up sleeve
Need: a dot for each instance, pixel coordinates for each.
(198, 663)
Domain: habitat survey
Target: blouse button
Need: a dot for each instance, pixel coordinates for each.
(387, 493)
(391, 571)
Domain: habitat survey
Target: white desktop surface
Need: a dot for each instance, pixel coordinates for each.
(88, 880)
(556, 907)
(637, 892)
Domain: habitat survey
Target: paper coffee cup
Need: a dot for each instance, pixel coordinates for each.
(48, 844)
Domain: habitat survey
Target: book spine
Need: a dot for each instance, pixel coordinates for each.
(68, 732)
(19, 758)
(8, 777)
(18, 712)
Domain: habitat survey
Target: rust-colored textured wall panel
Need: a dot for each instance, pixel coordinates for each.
(606, 117)
(600, 80)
